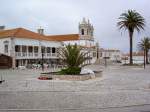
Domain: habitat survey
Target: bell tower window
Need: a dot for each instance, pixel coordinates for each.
(87, 32)
(82, 31)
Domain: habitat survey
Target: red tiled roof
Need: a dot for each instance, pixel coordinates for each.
(24, 33)
(21, 33)
(67, 37)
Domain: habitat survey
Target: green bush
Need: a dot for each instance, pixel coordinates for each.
(70, 71)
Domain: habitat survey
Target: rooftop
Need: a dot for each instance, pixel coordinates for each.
(24, 33)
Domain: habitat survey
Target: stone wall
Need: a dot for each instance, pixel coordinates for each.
(74, 77)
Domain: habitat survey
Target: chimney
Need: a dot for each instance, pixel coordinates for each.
(40, 31)
(2, 28)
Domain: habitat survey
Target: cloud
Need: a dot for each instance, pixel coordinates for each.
(63, 16)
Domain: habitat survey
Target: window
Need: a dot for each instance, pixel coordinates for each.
(36, 49)
(17, 48)
(82, 31)
(91, 33)
(48, 50)
(43, 49)
(24, 48)
(53, 50)
(6, 42)
(94, 54)
(6, 48)
(30, 49)
(87, 32)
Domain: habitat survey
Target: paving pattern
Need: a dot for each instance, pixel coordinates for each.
(121, 89)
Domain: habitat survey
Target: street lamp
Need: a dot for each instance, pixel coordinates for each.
(42, 51)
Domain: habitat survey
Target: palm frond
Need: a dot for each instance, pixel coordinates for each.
(144, 44)
(131, 20)
(72, 56)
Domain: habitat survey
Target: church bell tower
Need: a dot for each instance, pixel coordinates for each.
(86, 30)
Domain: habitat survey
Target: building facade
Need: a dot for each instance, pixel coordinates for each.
(111, 54)
(85, 39)
(138, 58)
(27, 47)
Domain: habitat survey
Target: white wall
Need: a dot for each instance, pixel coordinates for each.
(87, 43)
(113, 55)
(26, 42)
(32, 42)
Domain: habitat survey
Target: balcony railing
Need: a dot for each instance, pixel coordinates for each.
(34, 55)
(24, 54)
(30, 54)
(18, 54)
(54, 54)
(48, 54)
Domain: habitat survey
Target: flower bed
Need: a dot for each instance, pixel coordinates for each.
(45, 78)
(70, 77)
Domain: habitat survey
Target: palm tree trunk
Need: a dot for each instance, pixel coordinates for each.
(131, 46)
(146, 56)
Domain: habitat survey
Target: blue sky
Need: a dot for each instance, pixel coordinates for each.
(63, 16)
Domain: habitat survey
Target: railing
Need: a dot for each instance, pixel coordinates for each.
(30, 54)
(18, 54)
(54, 54)
(36, 54)
(33, 55)
(24, 54)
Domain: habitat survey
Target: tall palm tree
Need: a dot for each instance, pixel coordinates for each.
(131, 21)
(145, 46)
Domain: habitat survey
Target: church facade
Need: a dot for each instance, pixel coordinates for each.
(26, 47)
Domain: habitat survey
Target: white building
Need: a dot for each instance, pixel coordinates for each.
(85, 39)
(27, 47)
(138, 58)
(111, 54)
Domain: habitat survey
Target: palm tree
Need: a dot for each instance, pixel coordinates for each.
(131, 21)
(72, 56)
(145, 46)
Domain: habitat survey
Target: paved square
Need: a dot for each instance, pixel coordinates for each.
(121, 89)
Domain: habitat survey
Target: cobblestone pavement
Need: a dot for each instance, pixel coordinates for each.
(121, 89)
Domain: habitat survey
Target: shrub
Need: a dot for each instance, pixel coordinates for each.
(70, 71)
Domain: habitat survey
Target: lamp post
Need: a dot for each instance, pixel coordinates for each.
(105, 60)
(42, 51)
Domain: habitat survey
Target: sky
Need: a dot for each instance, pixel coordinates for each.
(63, 17)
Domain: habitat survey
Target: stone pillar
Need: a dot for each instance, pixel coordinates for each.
(21, 50)
(32, 51)
(39, 52)
(12, 53)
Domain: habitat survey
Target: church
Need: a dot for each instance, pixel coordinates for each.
(26, 47)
